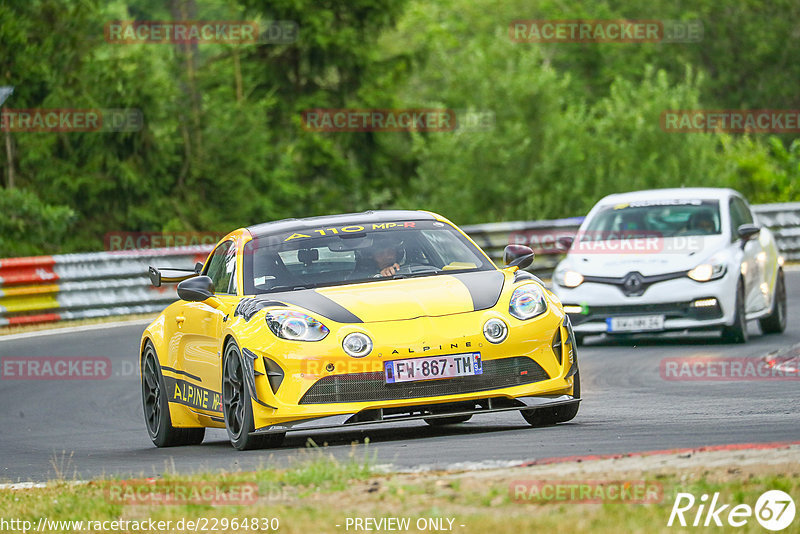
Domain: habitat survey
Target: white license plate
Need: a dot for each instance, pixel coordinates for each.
(638, 323)
(432, 367)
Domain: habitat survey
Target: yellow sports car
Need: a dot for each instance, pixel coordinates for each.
(346, 320)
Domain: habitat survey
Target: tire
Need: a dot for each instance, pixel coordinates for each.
(579, 338)
(444, 421)
(558, 414)
(775, 322)
(156, 407)
(237, 406)
(737, 332)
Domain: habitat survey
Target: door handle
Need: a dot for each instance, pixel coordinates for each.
(180, 319)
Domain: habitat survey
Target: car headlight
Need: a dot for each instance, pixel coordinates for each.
(495, 330)
(568, 278)
(707, 271)
(527, 302)
(357, 344)
(295, 326)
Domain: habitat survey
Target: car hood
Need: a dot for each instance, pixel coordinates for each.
(395, 300)
(650, 256)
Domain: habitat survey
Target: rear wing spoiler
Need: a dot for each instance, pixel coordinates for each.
(170, 275)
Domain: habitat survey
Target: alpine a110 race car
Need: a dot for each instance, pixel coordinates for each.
(346, 320)
(671, 260)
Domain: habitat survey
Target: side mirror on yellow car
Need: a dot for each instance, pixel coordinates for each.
(196, 289)
(518, 256)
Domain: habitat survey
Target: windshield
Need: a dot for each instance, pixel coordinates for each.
(656, 218)
(351, 254)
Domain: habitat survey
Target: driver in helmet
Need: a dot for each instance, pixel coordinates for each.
(703, 221)
(382, 259)
(387, 253)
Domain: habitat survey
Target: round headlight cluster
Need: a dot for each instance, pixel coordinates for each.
(295, 326)
(495, 330)
(357, 344)
(527, 302)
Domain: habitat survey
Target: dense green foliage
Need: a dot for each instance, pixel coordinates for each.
(223, 145)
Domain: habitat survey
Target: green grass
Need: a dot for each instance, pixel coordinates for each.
(315, 492)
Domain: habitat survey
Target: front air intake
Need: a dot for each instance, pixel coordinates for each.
(366, 387)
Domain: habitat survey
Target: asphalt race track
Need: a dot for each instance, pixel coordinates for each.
(83, 429)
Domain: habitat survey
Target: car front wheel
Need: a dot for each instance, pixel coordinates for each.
(557, 414)
(237, 407)
(775, 322)
(737, 332)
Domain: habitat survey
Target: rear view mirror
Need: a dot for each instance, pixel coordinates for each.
(565, 242)
(196, 289)
(169, 275)
(748, 231)
(307, 256)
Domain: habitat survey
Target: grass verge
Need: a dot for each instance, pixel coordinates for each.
(317, 493)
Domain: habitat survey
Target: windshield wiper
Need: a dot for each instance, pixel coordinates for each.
(275, 289)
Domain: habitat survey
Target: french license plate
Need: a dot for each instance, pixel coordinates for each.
(432, 367)
(638, 323)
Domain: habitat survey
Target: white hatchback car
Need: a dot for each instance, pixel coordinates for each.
(672, 260)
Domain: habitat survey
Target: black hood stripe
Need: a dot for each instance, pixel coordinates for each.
(484, 287)
(314, 302)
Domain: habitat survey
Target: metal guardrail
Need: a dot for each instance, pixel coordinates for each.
(784, 220)
(78, 286)
(98, 284)
(541, 236)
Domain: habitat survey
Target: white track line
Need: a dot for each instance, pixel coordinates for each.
(72, 329)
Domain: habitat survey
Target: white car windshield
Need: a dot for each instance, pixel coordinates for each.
(654, 218)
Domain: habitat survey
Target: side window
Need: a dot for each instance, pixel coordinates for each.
(222, 268)
(740, 214)
(747, 215)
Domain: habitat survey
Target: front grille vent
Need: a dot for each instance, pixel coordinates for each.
(366, 387)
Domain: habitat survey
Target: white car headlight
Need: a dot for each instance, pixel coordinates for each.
(568, 278)
(295, 326)
(527, 302)
(708, 271)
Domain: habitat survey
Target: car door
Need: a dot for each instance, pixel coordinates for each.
(753, 270)
(200, 326)
(767, 261)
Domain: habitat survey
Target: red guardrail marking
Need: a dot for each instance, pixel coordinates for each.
(28, 261)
